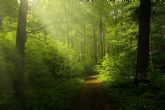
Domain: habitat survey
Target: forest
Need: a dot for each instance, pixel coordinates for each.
(82, 54)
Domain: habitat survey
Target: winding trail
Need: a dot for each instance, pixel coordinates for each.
(93, 96)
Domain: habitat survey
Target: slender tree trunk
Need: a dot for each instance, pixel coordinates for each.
(1, 21)
(67, 31)
(67, 35)
(94, 47)
(101, 47)
(84, 42)
(20, 48)
(143, 42)
(82, 52)
(150, 53)
(67, 13)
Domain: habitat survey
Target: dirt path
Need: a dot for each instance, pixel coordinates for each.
(92, 96)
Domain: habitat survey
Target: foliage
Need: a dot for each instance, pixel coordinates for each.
(58, 95)
(7, 58)
(47, 71)
(121, 60)
(48, 63)
(130, 97)
(67, 39)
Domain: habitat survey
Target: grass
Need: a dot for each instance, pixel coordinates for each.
(129, 97)
(57, 96)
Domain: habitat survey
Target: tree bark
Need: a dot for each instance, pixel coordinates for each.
(94, 47)
(101, 47)
(84, 42)
(1, 19)
(20, 48)
(143, 42)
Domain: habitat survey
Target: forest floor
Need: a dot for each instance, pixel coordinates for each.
(92, 96)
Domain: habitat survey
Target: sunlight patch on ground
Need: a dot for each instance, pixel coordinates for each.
(92, 80)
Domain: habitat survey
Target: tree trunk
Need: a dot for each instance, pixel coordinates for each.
(20, 48)
(101, 47)
(94, 47)
(67, 12)
(84, 42)
(1, 21)
(143, 42)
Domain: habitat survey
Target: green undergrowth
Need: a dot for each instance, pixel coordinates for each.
(59, 95)
(129, 97)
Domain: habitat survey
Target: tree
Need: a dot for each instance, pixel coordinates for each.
(0, 21)
(143, 42)
(20, 48)
(94, 47)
